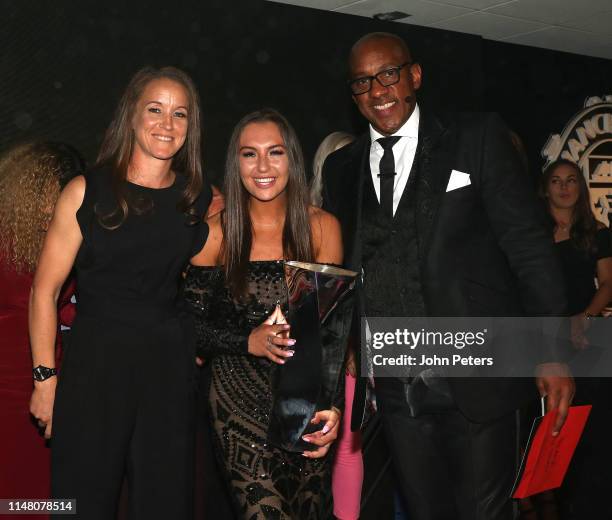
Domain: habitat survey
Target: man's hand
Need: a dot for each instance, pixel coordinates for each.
(555, 381)
(579, 324)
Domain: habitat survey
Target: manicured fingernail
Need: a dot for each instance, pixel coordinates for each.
(304, 455)
(325, 429)
(291, 342)
(290, 353)
(286, 326)
(281, 361)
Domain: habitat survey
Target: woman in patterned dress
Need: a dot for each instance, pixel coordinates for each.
(236, 287)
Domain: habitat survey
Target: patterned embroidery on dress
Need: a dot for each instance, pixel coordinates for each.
(266, 482)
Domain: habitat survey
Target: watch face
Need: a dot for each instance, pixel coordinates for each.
(42, 373)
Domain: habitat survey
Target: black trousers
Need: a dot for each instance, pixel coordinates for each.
(213, 499)
(585, 492)
(448, 468)
(125, 405)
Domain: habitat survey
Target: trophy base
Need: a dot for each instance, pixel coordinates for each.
(296, 445)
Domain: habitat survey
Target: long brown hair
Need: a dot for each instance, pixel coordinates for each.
(118, 144)
(31, 177)
(236, 219)
(584, 225)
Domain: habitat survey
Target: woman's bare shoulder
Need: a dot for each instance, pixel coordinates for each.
(214, 224)
(209, 255)
(322, 218)
(326, 236)
(74, 192)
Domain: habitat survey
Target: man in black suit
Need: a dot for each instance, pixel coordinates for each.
(439, 218)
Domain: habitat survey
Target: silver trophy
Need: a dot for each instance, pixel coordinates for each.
(320, 313)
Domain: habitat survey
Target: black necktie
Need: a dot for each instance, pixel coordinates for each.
(387, 174)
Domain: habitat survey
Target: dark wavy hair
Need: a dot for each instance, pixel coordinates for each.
(584, 225)
(236, 219)
(118, 144)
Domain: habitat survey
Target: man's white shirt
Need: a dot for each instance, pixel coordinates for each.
(403, 153)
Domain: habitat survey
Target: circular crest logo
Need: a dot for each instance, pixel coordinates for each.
(587, 141)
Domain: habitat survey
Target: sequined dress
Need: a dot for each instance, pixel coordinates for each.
(266, 482)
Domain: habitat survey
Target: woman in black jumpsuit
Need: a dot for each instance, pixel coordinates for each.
(125, 393)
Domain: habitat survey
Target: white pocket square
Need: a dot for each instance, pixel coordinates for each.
(458, 180)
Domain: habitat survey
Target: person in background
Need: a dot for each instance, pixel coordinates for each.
(584, 248)
(236, 288)
(583, 243)
(31, 178)
(125, 396)
(347, 470)
(331, 143)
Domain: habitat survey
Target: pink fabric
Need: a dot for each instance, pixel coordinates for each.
(347, 471)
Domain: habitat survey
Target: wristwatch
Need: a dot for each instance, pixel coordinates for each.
(42, 373)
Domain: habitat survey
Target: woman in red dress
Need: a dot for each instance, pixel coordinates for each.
(31, 177)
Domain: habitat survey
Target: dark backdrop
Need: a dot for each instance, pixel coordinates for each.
(65, 63)
(538, 90)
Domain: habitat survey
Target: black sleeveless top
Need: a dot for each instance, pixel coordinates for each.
(580, 269)
(133, 272)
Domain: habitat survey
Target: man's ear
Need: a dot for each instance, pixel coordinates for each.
(416, 73)
(354, 97)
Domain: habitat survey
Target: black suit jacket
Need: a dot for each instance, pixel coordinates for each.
(483, 248)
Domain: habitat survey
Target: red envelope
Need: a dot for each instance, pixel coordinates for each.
(547, 458)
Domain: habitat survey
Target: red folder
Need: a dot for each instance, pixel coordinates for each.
(547, 458)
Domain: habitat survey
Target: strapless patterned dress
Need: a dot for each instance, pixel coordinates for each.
(266, 482)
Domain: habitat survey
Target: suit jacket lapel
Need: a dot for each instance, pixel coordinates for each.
(357, 172)
(434, 155)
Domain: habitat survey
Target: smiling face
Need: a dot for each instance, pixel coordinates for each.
(263, 161)
(161, 120)
(563, 187)
(386, 108)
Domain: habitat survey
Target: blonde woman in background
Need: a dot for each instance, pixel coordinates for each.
(31, 177)
(331, 143)
(347, 470)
